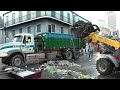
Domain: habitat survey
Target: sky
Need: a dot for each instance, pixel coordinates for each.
(92, 16)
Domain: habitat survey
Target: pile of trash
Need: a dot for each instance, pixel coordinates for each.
(53, 67)
(62, 63)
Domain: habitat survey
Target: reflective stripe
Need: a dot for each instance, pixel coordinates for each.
(11, 46)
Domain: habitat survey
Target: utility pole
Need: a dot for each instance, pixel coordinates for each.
(5, 32)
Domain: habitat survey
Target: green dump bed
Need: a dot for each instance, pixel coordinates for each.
(59, 41)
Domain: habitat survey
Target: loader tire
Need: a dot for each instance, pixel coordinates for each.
(104, 66)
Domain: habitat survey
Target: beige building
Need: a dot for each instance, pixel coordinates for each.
(105, 31)
(116, 34)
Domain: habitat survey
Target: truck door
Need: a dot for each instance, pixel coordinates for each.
(28, 45)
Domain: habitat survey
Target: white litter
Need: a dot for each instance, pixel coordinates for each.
(55, 68)
(32, 68)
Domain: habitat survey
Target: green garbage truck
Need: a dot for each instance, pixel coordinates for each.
(27, 47)
(66, 45)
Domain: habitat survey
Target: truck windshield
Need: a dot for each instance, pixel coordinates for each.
(17, 39)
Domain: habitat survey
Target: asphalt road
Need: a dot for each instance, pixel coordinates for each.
(87, 67)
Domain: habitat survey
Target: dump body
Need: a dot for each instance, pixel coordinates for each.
(59, 41)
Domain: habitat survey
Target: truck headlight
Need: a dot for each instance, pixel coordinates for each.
(3, 54)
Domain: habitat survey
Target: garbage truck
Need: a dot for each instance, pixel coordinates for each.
(26, 47)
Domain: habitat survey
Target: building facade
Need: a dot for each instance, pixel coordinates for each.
(1, 30)
(36, 22)
(111, 21)
(116, 34)
(105, 31)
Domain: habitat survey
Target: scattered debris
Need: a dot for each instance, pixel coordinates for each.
(53, 67)
(36, 69)
(62, 77)
(32, 68)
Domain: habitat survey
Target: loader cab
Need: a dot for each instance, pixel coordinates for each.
(26, 42)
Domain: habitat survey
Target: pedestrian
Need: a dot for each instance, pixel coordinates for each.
(98, 47)
(91, 50)
(81, 51)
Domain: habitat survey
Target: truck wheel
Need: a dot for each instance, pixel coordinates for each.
(68, 55)
(104, 67)
(16, 60)
(76, 55)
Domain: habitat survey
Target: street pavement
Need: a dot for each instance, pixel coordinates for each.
(87, 67)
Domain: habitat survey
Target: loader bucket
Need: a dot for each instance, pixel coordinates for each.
(84, 28)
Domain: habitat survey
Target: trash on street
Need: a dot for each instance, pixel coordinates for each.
(54, 67)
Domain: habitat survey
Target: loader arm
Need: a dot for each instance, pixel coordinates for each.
(87, 31)
(97, 38)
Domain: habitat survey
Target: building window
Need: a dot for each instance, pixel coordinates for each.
(53, 13)
(53, 28)
(13, 33)
(61, 15)
(28, 15)
(7, 20)
(20, 30)
(39, 28)
(68, 17)
(6, 34)
(73, 19)
(49, 28)
(13, 18)
(20, 16)
(38, 14)
(29, 29)
(62, 32)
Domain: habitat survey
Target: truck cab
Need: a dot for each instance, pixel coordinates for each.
(14, 53)
(26, 42)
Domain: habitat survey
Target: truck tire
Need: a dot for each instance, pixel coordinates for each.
(104, 66)
(76, 55)
(68, 55)
(16, 60)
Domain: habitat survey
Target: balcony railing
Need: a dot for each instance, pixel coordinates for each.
(37, 15)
